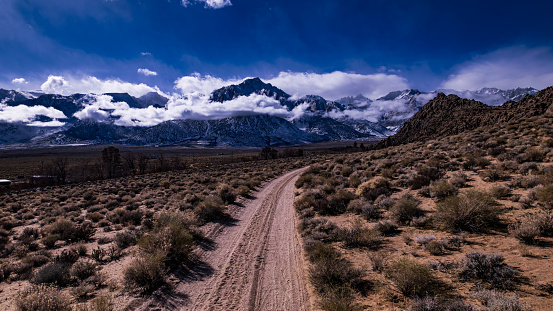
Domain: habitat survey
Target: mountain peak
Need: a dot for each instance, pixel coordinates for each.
(246, 88)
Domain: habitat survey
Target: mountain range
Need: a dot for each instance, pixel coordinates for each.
(51, 119)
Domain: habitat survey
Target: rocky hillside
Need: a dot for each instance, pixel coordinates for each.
(248, 131)
(449, 115)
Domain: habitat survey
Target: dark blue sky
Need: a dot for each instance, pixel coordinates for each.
(428, 44)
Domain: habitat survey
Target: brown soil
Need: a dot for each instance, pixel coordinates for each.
(255, 263)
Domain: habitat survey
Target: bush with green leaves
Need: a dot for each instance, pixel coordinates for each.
(146, 272)
(545, 196)
(411, 278)
(472, 211)
(405, 209)
(359, 236)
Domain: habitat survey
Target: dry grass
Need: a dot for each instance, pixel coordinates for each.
(463, 212)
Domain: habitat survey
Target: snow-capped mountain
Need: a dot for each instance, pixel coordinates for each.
(252, 113)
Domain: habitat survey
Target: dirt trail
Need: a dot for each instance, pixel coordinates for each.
(256, 263)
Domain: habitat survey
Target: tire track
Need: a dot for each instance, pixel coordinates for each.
(257, 263)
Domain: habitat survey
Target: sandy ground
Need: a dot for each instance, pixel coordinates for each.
(255, 263)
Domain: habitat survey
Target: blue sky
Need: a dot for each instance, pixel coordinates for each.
(334, 48)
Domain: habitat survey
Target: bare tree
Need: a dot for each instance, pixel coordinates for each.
(60, 169)
(112, 160)
(130, 161)
(143, 163)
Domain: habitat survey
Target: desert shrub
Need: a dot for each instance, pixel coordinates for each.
(526, 230)
(64, 228)
(37, 259)
(83, 269)
(373, 188)
(304, 201)
(545, 196)
(533, 154)
(357, 205)
(379, 261)
(42, 298)
(436, 247)
(125, 216)
(500, 191)
(211, 208)
(307, 180)
(69, 231)
(145, 272)
(50, 240)
(526, 182)
(320, 229)
(385, 202)
(459, 180)
(226, 193)
(386, 228)
(431, 172)
(83, 232)
(332, 275)
(472, 211)
(494, 174)
(103, 303)
(364, 208)
(411, 278)
(95, 217)
(336, 203)
(359, 236)
(545, 222)
(52, 273)
(475, 162)
(405, 209)
(125, 239)
(340, 299)
(442, 189)
(432, 304)
(497, 301)
(489, 268)
(29, 235)
(243, 191)
(319, 251)
(67, 256)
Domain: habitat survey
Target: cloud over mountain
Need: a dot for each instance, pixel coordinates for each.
(89, 84)
(507, 68)
(338, 84)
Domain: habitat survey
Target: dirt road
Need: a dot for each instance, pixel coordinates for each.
(256, 262)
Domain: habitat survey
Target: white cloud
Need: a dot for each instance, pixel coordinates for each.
(196, 83)
(338, 84)
(214, 4)
(26, 114)
(96, 107)
(147, 72)
(20, 81)
(71, 85)
(146, 54)
(505, 69)
(54, 85)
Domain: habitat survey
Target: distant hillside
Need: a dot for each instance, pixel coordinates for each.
(449, 115)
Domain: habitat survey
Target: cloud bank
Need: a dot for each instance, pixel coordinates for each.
(332, 86)
(505, 69)
(71, 85)
(338, 84)
(28, 114)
